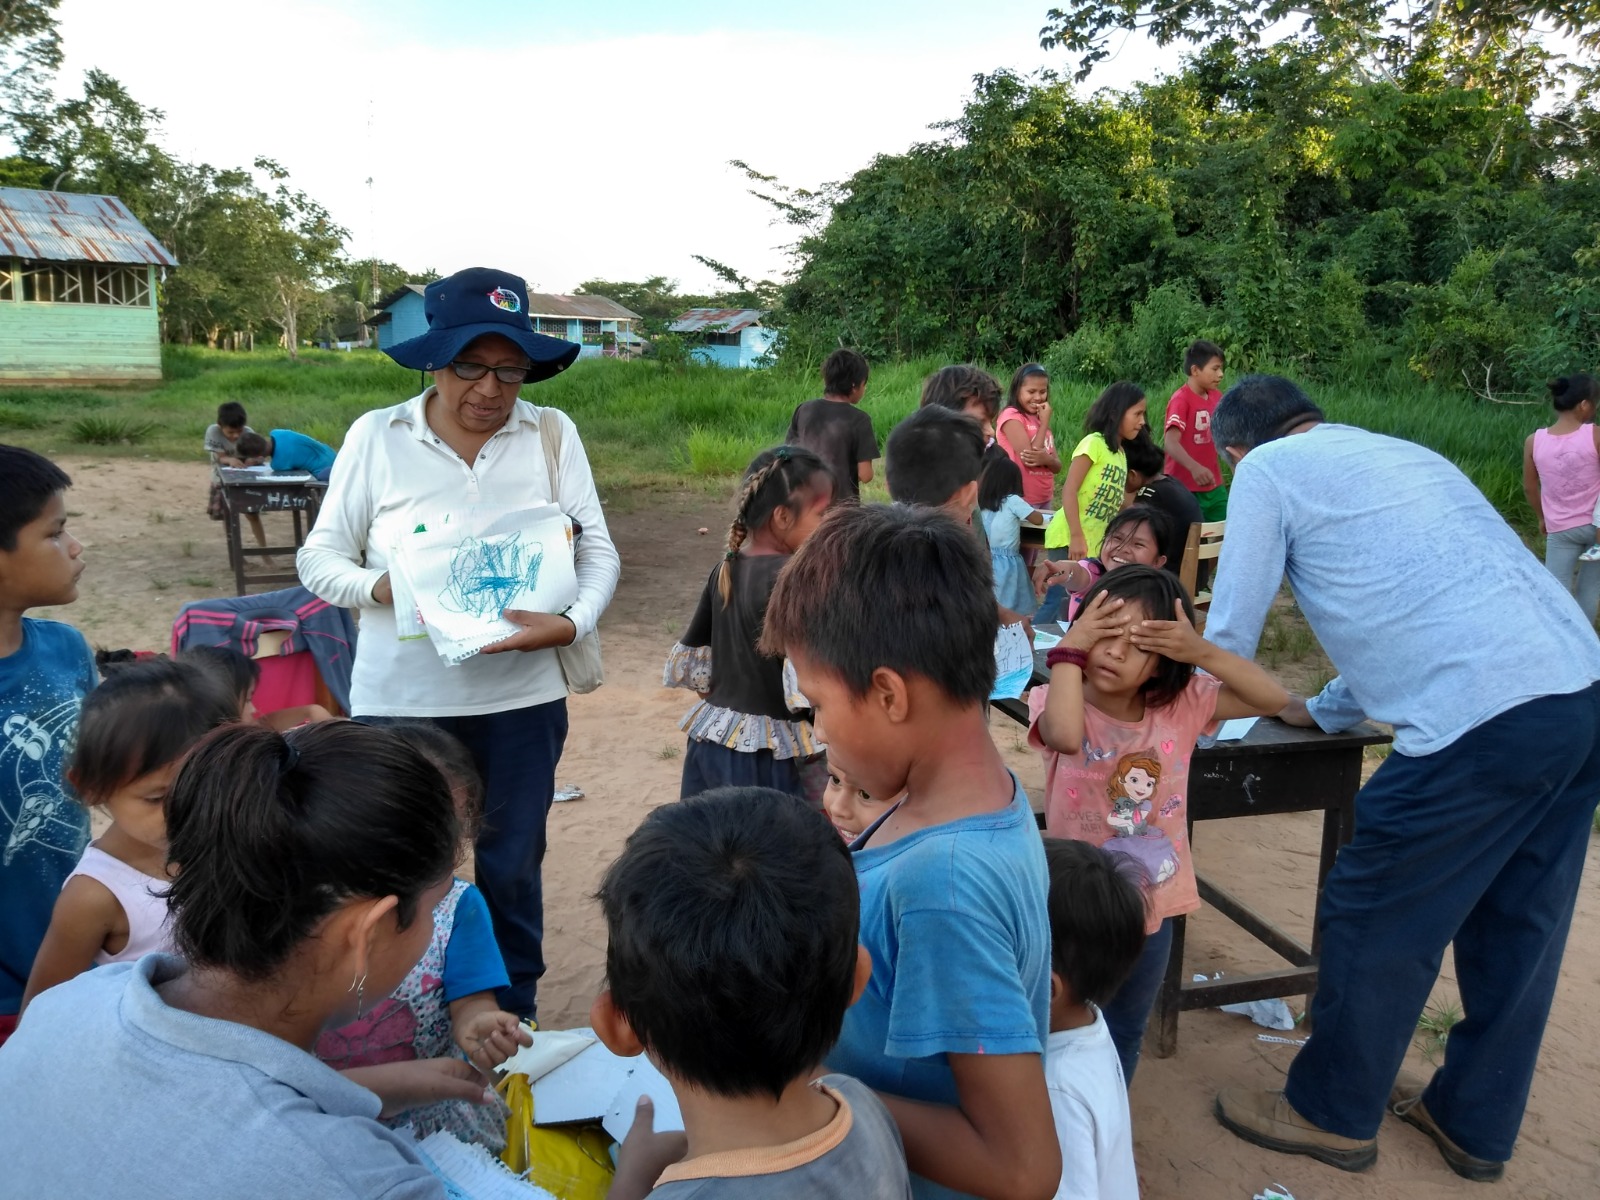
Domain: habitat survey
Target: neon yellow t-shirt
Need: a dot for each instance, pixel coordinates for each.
(1099, 497)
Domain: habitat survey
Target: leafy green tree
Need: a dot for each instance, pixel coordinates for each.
(30, 54)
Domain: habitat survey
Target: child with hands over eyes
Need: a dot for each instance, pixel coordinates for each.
(1117, 726)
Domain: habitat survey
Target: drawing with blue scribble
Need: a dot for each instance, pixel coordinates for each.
(486, 575)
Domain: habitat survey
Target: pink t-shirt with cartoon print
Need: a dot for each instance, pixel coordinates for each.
(1128, 790)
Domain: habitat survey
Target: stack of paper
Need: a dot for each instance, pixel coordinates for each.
(469, 1172)
(452, 579)
(592, 1084)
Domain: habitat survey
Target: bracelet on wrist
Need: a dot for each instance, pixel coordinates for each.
(1067, 654)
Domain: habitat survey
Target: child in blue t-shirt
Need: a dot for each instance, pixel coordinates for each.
(287, 450)
(953, 886)
(446, 1006)
(46, 669)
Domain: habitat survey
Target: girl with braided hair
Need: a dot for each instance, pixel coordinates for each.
(743, 732)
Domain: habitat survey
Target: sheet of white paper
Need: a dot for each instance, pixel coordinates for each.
(462, 580)
(642, 1080)
(598, 1085)
(1013, 659)
(551, 1048)
(580, 1089)
(1043, 639)
(1232, 731)
(469, 1172)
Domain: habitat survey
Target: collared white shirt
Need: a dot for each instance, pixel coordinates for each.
(394, 473)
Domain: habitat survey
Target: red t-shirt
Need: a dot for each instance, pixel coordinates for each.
(1190, 414)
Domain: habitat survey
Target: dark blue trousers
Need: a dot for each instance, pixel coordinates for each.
(1128, 1012)
(707, 765)
(1481, 844)
(516, 753)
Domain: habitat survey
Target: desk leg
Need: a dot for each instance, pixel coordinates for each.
(236, 551)
(1338, 827)
(1164, 1021)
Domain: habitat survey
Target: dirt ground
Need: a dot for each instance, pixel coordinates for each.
(149, 547)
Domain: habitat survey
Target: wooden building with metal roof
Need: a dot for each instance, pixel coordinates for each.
(78, 280)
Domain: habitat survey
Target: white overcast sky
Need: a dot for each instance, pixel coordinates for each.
(521, 134)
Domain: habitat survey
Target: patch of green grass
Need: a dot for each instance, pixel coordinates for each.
(1433, 1030)
(111, 430)
(668, 753)
(197, 581)
(186, 547)
(157, 517)
(17, 416)
(646, 425)
(159, 585)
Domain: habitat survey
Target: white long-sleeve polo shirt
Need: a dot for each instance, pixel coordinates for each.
(394, 473)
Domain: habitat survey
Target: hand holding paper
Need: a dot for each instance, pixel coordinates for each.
(539, 631)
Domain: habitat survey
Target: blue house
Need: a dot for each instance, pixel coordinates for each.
(728, 337)
(597, 323)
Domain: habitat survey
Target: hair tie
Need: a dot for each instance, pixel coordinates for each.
(290, 759)
(729, 555)
(783, 453)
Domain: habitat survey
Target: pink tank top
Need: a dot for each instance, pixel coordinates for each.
(149, 931)
(1569, 477)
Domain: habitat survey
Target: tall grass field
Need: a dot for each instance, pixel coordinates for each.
(644, 424)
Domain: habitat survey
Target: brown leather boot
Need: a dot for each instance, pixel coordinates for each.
(1405, 1102)
(1269, 1120)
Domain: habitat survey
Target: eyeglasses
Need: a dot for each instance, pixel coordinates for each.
(471, 371)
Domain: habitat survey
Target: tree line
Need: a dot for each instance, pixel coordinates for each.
(1380, 186)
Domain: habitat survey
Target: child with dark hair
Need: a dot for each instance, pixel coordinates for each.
(835, 428)
(1005, 512)
(1191, 451)
(222, 444)
(1117, 725)
(1096, 936)
(1092, 494)
(731, 958)
(46, 669)
(133, 733)
(309, 864)
(888, 617)
(240, 673)
(933, 458)
(848, 805)
(1134, 537)
(743, 731)
(964, 389)
(446, 1006)
(1147, 484)
(286, 450)
(1023, 432)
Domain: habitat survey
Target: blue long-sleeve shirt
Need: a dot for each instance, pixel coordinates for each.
(1432, 610)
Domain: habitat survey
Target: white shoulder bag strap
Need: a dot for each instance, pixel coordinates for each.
(580, 662)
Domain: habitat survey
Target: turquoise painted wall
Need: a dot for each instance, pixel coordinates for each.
(79, 343)
(407, 319)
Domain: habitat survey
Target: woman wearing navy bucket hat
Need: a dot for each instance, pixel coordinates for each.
(469, 439)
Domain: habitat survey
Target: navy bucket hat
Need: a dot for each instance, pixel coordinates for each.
(470, 304)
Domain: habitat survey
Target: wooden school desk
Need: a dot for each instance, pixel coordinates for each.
(1276, 768)
(245, 491)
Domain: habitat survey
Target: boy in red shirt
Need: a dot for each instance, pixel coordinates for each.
(1191, 455)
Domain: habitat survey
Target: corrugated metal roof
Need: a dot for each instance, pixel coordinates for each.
(69, 227)
(720, 320)
(548, 304)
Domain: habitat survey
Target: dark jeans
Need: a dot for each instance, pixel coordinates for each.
(516, 753)
(1481, 843)
(1128, 1012)
(1049, 610)
(707, 765)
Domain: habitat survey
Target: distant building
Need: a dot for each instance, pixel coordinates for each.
(78, 279)
(729, 337)
(599, 324)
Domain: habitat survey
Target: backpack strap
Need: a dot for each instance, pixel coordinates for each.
(550, 439)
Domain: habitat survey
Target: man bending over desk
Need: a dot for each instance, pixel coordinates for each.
(287, 450)
(1474, 840)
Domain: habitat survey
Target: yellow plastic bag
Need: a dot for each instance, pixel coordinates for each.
(572, 1162)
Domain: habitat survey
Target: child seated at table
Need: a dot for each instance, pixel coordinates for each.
(953, 1026)
(1096, 936)
(1117, 725)
(1135, 536)
(222, 444)
(731, 958)
(287, 450)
